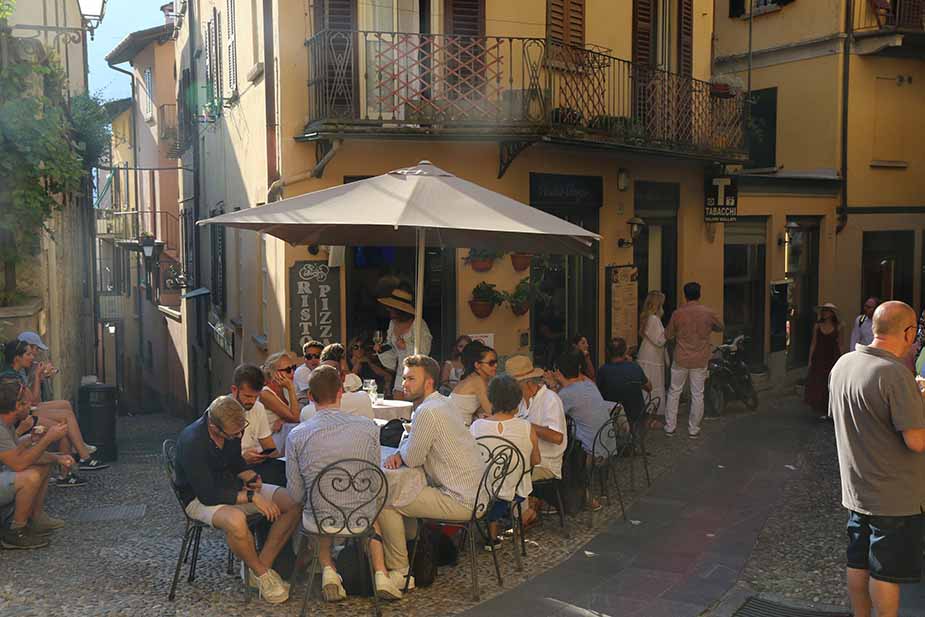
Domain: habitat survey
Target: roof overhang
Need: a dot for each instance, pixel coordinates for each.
(131, 45)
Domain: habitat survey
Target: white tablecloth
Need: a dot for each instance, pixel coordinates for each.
(405, 483)
(389, 410)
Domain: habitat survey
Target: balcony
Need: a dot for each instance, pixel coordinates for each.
(168, 130)
(126, 227)
(400, 85)
(898, 26)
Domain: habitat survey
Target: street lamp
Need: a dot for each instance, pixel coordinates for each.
(636, 226)
(151, 251)
(789, 229)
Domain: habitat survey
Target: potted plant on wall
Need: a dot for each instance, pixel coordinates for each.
(725, 86)
(524, 295)
(521, 261)
(485, 297)
(480, 260)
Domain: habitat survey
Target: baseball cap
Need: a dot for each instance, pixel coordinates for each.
(33, 339)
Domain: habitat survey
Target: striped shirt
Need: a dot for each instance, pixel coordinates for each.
(439, 441)
(329, 436)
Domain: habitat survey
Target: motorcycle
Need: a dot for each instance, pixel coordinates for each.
(729, 379)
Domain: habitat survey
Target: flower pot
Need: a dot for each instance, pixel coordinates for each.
(521, 261)
(721, 91)
(481, 308)
(520, 309)
(481, 265)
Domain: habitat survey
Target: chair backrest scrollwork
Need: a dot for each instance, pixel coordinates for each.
(347, 496)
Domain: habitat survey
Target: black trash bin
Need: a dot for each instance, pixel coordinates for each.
(97, 404)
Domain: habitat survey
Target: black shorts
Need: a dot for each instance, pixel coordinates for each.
(890, 547)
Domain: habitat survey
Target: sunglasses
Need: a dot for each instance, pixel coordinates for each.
(313, 356)
(489, 363)
(288, 369)
(237, 435)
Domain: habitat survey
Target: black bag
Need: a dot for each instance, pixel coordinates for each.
(391, 432)
(352, 564)
(425, 562)
(574, 479)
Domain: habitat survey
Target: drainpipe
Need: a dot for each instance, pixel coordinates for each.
(846, 80)
(134, 131)
(275, 192)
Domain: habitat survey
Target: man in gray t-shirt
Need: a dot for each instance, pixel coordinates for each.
(879, 416)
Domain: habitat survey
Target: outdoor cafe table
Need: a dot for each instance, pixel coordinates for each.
(389, 410)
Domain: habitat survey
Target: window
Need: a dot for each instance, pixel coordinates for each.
(762, 129)
(736, 8)
(219, 297)
(232, 49)
(565, 23)
(265, 286)
(148, 107)
(887, 271)
(214, 62)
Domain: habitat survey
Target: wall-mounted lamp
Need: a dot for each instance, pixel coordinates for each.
(111, 328)
(636, 225)
(789, 229)
(623, 179)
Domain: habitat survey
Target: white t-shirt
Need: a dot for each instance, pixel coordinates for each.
(546, 410)
(300, 378)
(353, 403)
(257, 427)
(517, 431)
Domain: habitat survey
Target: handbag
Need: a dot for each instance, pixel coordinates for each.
(353, 567)
(425, 562)
(391, 432)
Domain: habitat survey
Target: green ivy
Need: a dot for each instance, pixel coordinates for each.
(6, 8)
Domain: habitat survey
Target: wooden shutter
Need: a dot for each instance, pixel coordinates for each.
(575, 25)
(555, 22)
(232, 48)
(339, 14)
(643, 32)
(465, 17)
(210, 70)
(686, 37)
(565, 23)
(219, 80)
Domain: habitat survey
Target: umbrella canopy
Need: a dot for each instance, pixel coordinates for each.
(391, 208)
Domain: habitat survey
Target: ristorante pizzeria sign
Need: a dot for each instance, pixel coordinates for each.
(314, 304)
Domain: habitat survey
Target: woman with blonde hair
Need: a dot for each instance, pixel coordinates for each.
(653, 357)
(278, 397)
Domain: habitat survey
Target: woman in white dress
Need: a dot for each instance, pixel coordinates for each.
(470, 397)
(653, 357)
(399, 343)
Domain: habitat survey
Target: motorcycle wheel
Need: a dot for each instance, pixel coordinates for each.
(714, 400)
(748, 395)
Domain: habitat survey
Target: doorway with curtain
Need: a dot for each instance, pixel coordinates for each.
(655, 251)
(744, 285)
(802, 266)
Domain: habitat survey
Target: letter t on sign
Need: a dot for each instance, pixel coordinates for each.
(721, 184)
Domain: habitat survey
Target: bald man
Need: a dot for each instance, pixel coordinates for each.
(879, 416)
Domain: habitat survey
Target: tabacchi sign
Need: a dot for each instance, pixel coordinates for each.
(314, 305)
(722, 200)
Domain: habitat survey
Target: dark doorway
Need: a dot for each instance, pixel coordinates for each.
(569, 282)
(655, 251)
(803, 270)
(887, 266)
(744, 287)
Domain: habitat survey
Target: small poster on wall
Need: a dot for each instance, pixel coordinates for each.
(314, 303)
(622, 309)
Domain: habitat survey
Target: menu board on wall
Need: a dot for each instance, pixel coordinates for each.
(314, 303)
(622, 303)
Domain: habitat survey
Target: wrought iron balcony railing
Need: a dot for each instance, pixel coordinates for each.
(127, 225)
(889, 15)
(374, 82)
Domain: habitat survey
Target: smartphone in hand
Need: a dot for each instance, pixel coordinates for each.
(267, 451)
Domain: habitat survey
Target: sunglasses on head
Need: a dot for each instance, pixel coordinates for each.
(313, 356)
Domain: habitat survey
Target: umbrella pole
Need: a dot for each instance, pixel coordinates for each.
(419, 291)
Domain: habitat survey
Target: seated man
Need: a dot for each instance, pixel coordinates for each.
(621, 380)
(311, 351)
(327, 437)
(543, 408)
(581, 399)
(218, 490)
(354, 401)
(25, 465)
(246, 384)
(439, 442)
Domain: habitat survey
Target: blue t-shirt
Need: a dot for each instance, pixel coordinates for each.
(584, 403)
(621, 382)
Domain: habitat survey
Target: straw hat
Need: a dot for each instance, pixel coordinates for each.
(828, 306)
(400, 300)
(521, 368)
(352, 382)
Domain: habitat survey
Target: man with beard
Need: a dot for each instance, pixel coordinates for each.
(257, 447)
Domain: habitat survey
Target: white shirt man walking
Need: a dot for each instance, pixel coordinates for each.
(863, 331)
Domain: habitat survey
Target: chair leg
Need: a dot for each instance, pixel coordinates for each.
(519, 529)
(619, 495)
(473, 561)
(561, 505)
(494, 558)
(176, 573)
(414, 553)
(192, 566)
(377, 611)
(301, 545)
(645, 461)
(230, 562)
(309, 584)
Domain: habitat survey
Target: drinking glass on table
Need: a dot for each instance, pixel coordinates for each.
(370, 387)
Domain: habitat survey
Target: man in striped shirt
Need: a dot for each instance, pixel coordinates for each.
(439, 442)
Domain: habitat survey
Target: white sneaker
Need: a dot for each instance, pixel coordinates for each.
(271, 588)
(332, 588)
(386, 588)
(252, 578)
(91, 449)
(398, 579)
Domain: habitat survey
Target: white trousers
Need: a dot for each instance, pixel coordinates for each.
(679, 377)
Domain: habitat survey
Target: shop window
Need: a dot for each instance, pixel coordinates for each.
(887, 271)
(744, 268)
(762, 129)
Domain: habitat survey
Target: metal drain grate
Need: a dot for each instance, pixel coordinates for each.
(756, 607)
(109, 513)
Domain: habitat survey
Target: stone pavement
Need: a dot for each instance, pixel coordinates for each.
(688, 537)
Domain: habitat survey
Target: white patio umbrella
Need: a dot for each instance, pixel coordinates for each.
(417, 206)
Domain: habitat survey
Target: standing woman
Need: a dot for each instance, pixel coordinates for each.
(453, 370)
(279, 397)
(824, 351)
(653, 357)
(399, 343)
(470, 397)
(580, 342)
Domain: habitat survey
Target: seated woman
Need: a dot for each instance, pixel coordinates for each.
(505, 395)
(279, 398)
(366, 365)
(470, 397)
(452, 370)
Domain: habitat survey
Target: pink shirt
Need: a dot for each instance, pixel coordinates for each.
(690, 327)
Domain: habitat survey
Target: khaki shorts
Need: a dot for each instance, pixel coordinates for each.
(542, 473)
(199, 512)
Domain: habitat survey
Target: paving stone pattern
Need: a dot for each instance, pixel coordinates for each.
(122, 566)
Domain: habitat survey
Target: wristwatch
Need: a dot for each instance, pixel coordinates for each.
(250, 496)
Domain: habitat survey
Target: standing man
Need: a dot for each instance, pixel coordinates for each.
(879, 419)
(690, 327)
(863, 331)
(311, 351)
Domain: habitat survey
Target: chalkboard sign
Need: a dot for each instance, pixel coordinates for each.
(622, 303)
(314, 304)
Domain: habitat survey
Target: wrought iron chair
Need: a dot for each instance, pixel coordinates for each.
(497, 469)
(345, 500)
(488, 444)
(555, 484)
(609, 442)
(192, 535)
(639, 431)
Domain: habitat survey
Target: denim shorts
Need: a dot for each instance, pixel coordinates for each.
(7, 487)
(889, 547)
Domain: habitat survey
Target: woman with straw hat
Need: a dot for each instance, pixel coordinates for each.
(399, 341)
(824, 351)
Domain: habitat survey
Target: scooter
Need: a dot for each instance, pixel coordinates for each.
(729, 379)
